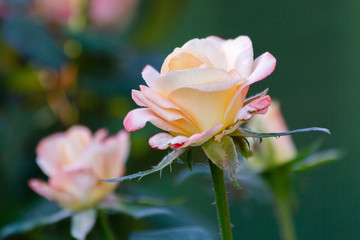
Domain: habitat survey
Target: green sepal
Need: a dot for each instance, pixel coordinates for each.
(189, 160)
(247, 132)
(243, 146)
(223, 154)
(166, 161)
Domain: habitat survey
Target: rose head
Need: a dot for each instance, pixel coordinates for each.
(200, 92)
(75, 162)
(272, 151)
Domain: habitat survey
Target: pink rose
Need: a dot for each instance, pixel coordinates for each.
(272, 151)
(200, 92)
(75, 162)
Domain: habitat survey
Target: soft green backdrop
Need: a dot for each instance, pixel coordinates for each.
(316, 44)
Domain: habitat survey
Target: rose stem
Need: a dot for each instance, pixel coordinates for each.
(280, 183)
(104, 221)
(222, 206)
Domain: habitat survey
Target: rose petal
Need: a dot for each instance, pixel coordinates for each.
(239, 51)
(164, 140)
(258, 106)
(263, 66)
(206, 109)
(210, 49)
(180, 79)
(137, 118)
(150, 75)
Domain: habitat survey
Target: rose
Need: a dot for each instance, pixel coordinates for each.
(200, 92)
(272, 151)
(75, 162)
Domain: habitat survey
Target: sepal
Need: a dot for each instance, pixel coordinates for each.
(166, 161)
(223, 154)
(247, 132)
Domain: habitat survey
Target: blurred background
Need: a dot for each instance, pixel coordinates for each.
(60, 67)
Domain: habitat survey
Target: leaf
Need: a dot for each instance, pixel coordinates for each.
(223, 154)
(167, 160)
(247, 132)
(133, 209)
(32, 223)
(185, 174)
(316, 159)
(188, 233)
(82, 223)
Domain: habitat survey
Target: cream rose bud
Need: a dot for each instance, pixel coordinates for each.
(75, 162)
(200, 91)
(271, 151)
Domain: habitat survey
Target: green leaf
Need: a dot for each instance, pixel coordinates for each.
(188, 233)
(189, 160)
(197, 170)
(247, 132)
(133, 209)
(31, 223)
(316, 159)
(223, 154)
(166, 161)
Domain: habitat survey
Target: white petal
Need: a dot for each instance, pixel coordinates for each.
(82, 223)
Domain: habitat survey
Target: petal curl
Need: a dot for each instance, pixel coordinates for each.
(258, 106)
(262, 67)
(212, 51)
(150, 75)
(165, 140)
(137, 119)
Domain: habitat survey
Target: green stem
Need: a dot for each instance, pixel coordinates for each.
(222, 206)
(279, 181)
(104, 221)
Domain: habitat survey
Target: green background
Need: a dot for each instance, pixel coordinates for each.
(316, 44)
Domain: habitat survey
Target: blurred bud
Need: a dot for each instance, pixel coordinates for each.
(99, 13)
(271, 151)
(57, 11)
(75, 162)
(111, 13)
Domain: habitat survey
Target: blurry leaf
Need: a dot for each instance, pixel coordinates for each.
(247, 132)
(132, 209)
(315, 160)
(31, 40)
(24, 80)
(185, 174)
(166, 161)
(188, 233)
(31, 223)
(82, 223)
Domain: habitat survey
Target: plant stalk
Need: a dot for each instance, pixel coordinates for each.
(280, 184)
(221, 202)
(104, 222)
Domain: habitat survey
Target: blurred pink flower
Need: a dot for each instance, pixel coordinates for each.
(58, 11)
(75, 162)
(101, 13)
(272, 151)
(200, 92)
(112, 13)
